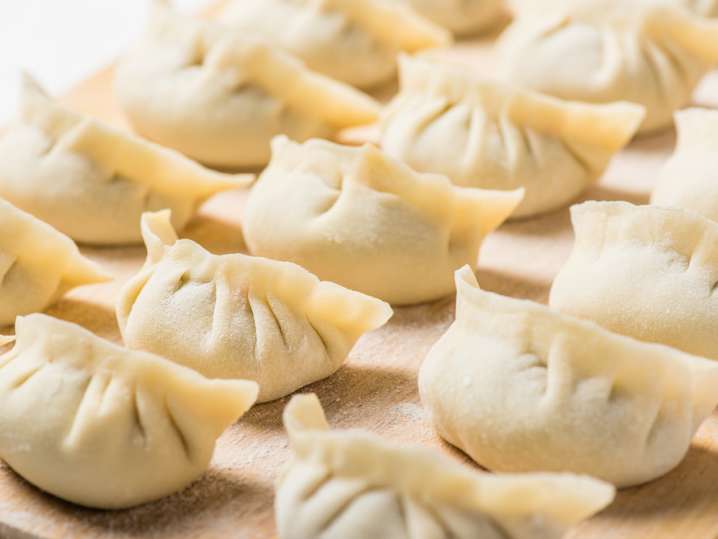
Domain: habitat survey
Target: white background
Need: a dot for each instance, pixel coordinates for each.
(62, 41)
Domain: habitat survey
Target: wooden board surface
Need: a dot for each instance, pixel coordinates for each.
(376, 389)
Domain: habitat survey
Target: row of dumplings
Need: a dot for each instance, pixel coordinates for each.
(200, 88)
(236, 87)
(361, 218)
(347, 204)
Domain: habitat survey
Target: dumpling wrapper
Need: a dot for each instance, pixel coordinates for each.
(482, 133)
(643, 271)
(38, 264)
(521, 388)
(351, 484)
(238, 316)
(102, 426)
(93, 182)
(462, 17)
(354, 42)
(689, 180)
(368, 222)
(645, 51)
(219, 96)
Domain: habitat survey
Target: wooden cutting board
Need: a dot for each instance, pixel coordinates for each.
(376, 389)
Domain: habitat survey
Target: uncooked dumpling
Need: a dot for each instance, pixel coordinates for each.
(650, 52)
(644, 271)
(708, 8)
(482, 133)
(354, 42)
(93, 182)
(38, 264)
(689, 179)
(220, 96)
(103, 426)
(353, 485)
(359, 218)
(237, 316)
(462, 17)
(519, 388)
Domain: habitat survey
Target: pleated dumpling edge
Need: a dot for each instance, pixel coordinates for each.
(647, 52)
(242, 316)
(361, 218)
(235, 92)
(352, 42)
(502, 136)
(38, 264)
(414, 488)
(512, 376)
(644, 271)
(106, 427)
(90, 180)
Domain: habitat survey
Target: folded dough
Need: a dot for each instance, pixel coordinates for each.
(520, 387)
(462, 17)
(220, 96)
(102, 426)
(359, 218)
(708, 8)
(643, 271)
(93, 182)
(237, 316)
(651, 52)
(38, 264)
(689, 179)
(482, 133)
(354, 42)
(352, 485)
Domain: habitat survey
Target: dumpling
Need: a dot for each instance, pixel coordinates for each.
(643, 271)
(353, 485)
(519, 387)
(462, 17)
(650, 52)
(359, 218)
(354, 42)
(237, 316)
(709, 8)
(486, 134)
(38, 264)
(102, 426)
(93, 182)
(220, 96)
(689, 179)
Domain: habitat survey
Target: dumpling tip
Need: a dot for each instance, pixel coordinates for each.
(304, 413)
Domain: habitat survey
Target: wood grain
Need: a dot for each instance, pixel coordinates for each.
(376, 389)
